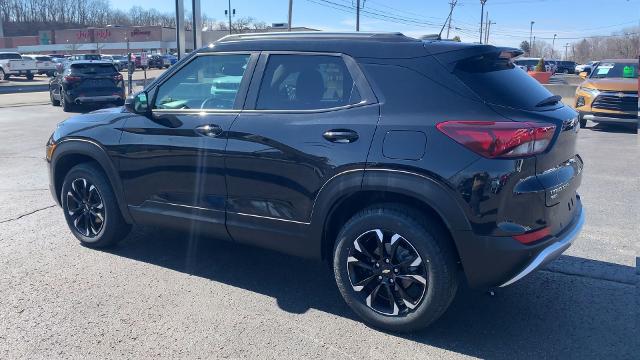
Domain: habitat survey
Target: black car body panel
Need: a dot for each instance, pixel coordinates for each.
(280, 178)
(88, 81)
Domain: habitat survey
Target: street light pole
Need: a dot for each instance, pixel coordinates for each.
(482, 2)
(357, 15)
(553, 44)
(229, 17)
(530, 34)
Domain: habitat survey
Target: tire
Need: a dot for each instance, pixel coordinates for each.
(566, 71)
(423, 247)
(88, 178)
(29, 76)
(66, 106)
(583, 121)
(54, 102)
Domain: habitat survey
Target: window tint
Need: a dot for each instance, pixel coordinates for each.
(497, 81)
(306, 82)
(43, 58)
(207, 82)
(92, 68)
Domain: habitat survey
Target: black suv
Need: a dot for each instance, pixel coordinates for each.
(86, 82)
(403, 163)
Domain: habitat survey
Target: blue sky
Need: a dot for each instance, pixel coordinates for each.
(566, 18)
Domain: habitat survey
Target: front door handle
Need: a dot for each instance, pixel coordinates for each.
(341, 136)
(209, 130)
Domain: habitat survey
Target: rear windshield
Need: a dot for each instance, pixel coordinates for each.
(500, 82)
(90, 57)
(93, 69)
(10, 56)
(43, 58)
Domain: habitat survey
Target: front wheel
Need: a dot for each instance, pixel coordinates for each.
(395, 268)
(583, 121)
(90, 207)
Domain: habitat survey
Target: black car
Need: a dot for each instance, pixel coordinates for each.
(405, 164)
(155, 61)
(566, 67)
(86, 82)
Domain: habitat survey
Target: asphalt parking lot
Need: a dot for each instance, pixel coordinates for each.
(166, 295)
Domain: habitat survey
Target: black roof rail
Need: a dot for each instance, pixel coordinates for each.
(317, 35)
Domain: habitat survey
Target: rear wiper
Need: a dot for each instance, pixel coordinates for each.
(551, 100)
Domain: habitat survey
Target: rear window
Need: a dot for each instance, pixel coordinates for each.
(43, 58)
(93, 69)
(499, 82)
(10, 56)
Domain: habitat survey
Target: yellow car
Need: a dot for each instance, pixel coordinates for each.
(609, 93)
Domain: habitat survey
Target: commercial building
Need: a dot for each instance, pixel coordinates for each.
(112, 40)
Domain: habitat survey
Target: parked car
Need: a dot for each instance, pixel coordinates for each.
(12, 64)
(585, 67)
(566, 67)
(56, 56)
(402, 163)
(169, 60)
(610, 93)
(77, 57)
(44, 64)
(86, 82)
(155, 61)
(119, 61)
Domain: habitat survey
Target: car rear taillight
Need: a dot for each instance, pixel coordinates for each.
(493, 139)
(117, 77)
(71, 78)
(530, 237)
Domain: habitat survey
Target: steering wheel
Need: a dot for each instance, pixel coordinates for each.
(205, 102)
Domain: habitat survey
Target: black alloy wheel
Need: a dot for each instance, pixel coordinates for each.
(85, 207)
(387, 272)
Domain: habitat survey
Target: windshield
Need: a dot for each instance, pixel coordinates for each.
(10, 56)
(615, 70)
(118, 57)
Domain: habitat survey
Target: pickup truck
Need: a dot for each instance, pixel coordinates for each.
(44, 64)
(12, 64)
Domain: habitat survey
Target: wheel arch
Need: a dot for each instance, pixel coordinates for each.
(71, 152)
(422, 193)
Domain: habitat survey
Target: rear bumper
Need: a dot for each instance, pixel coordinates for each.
(610, 120)
(553, 251)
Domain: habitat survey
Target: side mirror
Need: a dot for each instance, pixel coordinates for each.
(583, 74)
(138, 103)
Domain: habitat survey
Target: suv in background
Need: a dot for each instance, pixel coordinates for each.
(77, 57)
(566, 67)
(119, 61)
(402, 163)
(86, 82)
(610, 93)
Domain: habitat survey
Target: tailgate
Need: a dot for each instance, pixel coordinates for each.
(22, 65)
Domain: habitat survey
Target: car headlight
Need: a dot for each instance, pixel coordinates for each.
(591, 91)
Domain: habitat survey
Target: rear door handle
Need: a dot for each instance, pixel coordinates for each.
(341, 136)
(210, 130)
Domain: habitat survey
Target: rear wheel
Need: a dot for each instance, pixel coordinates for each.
(54, 102)
(66, 106)
(90, 207)
(29, 76)
(395, 268)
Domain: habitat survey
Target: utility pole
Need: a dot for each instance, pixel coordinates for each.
(290, 13)
(486, 27)
(530, 34)
(453, 4)
(180, 33)
(553, 44)
(482, 2)
(229, 11)
(566, 47)
(196, 20)
(533, 44)
(357, 15)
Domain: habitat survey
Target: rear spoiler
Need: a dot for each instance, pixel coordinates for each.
(451, 58)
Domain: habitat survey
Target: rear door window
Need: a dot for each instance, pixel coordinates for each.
(306, 82)
(498, 81)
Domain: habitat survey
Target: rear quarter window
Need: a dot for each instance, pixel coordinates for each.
(498, 81)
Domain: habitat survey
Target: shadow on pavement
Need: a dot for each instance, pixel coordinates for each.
(548, 314)
(613, 128)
